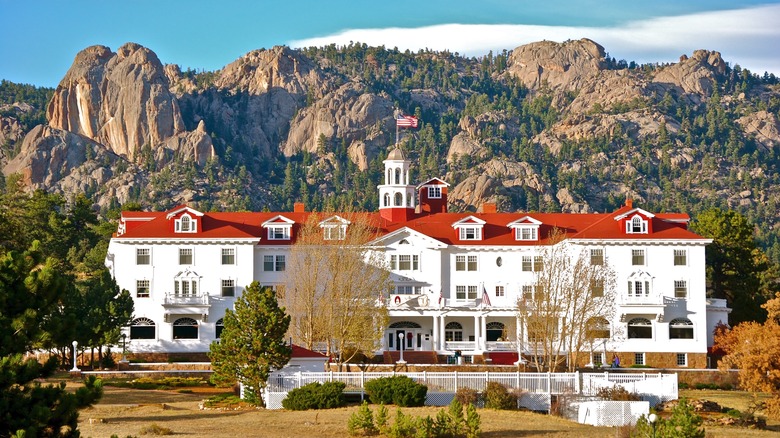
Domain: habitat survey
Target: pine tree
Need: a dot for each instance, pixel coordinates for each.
(252, 343)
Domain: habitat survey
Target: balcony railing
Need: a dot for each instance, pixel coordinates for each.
(186, 300)
(646, 300)
(501, 346)
(460, 345)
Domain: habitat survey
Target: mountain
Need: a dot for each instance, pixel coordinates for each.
(547, 126)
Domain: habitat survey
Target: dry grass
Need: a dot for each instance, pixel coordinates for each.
(128, 411)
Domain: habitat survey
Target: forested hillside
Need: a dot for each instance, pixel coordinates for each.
(548, 126)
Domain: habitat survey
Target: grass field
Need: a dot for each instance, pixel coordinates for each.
(126, 412)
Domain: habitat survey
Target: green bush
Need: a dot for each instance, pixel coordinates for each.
(498, 397)
(398, 390)
(449, 423)
(362, 422)
(683, 422)
(316, 396)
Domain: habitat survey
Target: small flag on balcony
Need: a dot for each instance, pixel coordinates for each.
(406, 121)
(485, 297)
(441, 297)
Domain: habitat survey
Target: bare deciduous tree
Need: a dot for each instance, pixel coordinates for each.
(333, 281)
(566, 312)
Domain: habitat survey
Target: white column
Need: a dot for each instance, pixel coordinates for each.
(442, 338)
(435, 332)
(477, 325)
(483, 330)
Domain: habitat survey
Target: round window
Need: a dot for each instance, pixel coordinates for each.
(499, 262)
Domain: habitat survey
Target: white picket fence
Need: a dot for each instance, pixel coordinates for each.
(537, 388)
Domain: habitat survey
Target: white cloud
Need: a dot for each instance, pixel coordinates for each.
(749, 37)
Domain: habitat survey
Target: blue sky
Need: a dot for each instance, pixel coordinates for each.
(39, 39)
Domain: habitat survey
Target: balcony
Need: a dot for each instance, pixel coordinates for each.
(501, 346)
(183, 304)
(412, 301)
(460, 345)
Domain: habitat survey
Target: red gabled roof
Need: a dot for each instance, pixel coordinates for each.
(300, 352)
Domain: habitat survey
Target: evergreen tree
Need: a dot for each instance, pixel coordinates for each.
(252, 343)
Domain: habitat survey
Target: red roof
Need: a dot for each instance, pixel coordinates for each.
(439, 226)
(298, 351)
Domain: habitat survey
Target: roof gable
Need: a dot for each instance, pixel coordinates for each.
(467, 221)
(525, 220)
(433, 182)
(278, 220)
(182, 209)
(634, 211)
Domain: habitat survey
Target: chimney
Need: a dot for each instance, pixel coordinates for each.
(629, 203)
(489, 207)
(298, 207)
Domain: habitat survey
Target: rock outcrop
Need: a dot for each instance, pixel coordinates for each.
(763, 126)
(566, 66)
(120, 100)
(695, 76)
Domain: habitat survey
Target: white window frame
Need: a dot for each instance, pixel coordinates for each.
(279, 232)
(639, 359)
(230, 253)
(334, 232)
(636, 225)
(472, 263)
(527, 233)
(434, 193)
(680, 255)
(186, 224)
(225, 284)
(141, 254)
(183, 253)
(527, 263)
(275, 260)
(500, 291)
(638, 252)
(680, 289)
(140, 285)
(471, 232)
(682, 359)
(460, 263)
(597, 256)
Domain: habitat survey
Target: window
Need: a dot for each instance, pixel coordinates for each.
(472, 293)
(682, 360)
(681, 328)
(143, 256)
(636, 225)
(495, 331)
(142, 328)
(638, 257)
(434, 192)
(228, 256)
(466, 292)
(597, 288)
(399, 199)
(499, 291)
(638, 288)
(527, 266)
(453, 332)
(408, 290)
(680, 257)
(335, 232)
(639, 358)
(274, 263)
(597, 359)
(460, 263)
(186, 224)
(596, 257)
(460, 292)
(185, 328)
(597, 328)
(680, 289)
(142, 288)
(538, 263)
(393, 262)
(527, 233)
(470, 233)
(185, 256)
(279, 233)
(640, 328)
(408, 262)
(528, 292)
(387, 200)
(220, 325)
(472, 263)
(228, 288)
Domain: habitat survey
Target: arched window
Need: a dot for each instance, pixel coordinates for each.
(453, 331)
(220, 326)
(636, 225)
(597, 328)
(185, 223)
(398, 176)
(404, 324)
(387, 199)
(640, 328)
(142, 328)
(495, 331)
(409, 197)
(399, 200)
(185, 328)
(389, 176)
(681, 328)
(185, 284)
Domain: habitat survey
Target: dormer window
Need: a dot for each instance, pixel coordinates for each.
(637, 225)
(334, 228)
(434, 192)
(186, 224)
(526, 228)
(469, 228)
(279, 228)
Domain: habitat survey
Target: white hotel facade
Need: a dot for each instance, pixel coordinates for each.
(184, 268)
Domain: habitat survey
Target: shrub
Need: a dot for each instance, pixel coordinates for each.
(467, 396)
(683, 422)
(618, 393)
(498, 397)
(362, 422)
(472, 422)
(154, 429)
(316, 396)
(398, 390)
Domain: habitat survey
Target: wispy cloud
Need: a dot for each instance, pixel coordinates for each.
(749, 37)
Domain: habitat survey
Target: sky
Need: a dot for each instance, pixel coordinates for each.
(40, 38)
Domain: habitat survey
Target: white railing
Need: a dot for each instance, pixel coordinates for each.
(460, 345)
(650, 300)
(654, 388)
(186, 300)
(501, 346)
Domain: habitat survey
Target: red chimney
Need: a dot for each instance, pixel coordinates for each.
(298, 207)
(489, 207)
(629, 203)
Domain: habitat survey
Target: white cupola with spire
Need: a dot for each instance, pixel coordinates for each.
(397, 194)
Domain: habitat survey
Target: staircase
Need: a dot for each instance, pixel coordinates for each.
(411, 357)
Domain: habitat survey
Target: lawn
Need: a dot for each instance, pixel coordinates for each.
(124, 411)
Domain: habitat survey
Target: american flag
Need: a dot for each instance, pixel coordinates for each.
(406, 121)
(485, 297)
